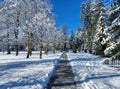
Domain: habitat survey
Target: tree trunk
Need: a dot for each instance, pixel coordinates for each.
(40, 52)
(8, 45)
(8, 49)
(54, 49)
(28, 52)
(16, 33)
(30, 49)
(16, 49)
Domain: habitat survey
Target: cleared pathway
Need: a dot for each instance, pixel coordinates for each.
(64, 77)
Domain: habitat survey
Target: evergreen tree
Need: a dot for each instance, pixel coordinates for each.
(72, 42)
(98, 47)
(113, 31)
(91, 31)
(80, 39)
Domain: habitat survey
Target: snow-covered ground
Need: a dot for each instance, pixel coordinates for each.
(34, 73)
(21, 73)
(90, 73)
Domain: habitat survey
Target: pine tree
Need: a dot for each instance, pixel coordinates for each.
(91, 31)
(113, 31)
(80, 39)
(72, 42)
(98, 47)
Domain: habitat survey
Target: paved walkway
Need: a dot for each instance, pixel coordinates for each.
(64, 78)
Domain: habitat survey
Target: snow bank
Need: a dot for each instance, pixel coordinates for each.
(90, 73)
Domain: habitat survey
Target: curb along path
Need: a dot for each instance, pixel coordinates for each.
(64, 77)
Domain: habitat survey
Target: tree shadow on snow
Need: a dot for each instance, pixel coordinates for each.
(68, 84)
(22, 64)
(27, 80)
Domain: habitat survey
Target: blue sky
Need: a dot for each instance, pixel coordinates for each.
(67, 12)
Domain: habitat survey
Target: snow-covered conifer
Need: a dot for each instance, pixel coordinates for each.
(113, 31)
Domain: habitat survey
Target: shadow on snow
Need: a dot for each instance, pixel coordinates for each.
(27, 80)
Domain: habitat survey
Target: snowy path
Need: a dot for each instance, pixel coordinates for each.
(90, 73)
(64, 78)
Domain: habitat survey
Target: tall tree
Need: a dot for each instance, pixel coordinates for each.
(86, 13)
(42, 22)
(15, 8)
(28, 29)
(72, 42)
(80, 39)
(113, 32)
(63, 39)
(98, 47)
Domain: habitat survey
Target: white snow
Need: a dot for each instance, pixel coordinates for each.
(113, 11)
(34, 73)
(21, 73)
(90, 73)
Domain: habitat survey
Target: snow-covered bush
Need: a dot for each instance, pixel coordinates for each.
(106, 61)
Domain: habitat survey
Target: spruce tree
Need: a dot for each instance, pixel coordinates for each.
(98, 47)
(113, 31)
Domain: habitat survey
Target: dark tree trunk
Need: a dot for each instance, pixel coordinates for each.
(30, 49)
(16, 33)
(41, 45)
(16, 44)
(8, 49)
(8, 45)
(28, 52)
(40, 52)
(16, 49)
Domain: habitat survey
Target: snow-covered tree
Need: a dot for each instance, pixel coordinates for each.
(28, 26)
(86, 13)
(43, 22)
(32, 23)
(80, 39)
(6, 27)
(63, 37)
(113, 31)
(98, 47)
(14, 10)
(72, 42)
(92, 16)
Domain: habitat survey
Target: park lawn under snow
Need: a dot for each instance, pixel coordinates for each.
(21, 73)
(90, 73)
(34, 73)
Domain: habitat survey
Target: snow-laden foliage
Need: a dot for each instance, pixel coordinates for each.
(99, 36)
(103, 32)
(30, 23)
(113, 30)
